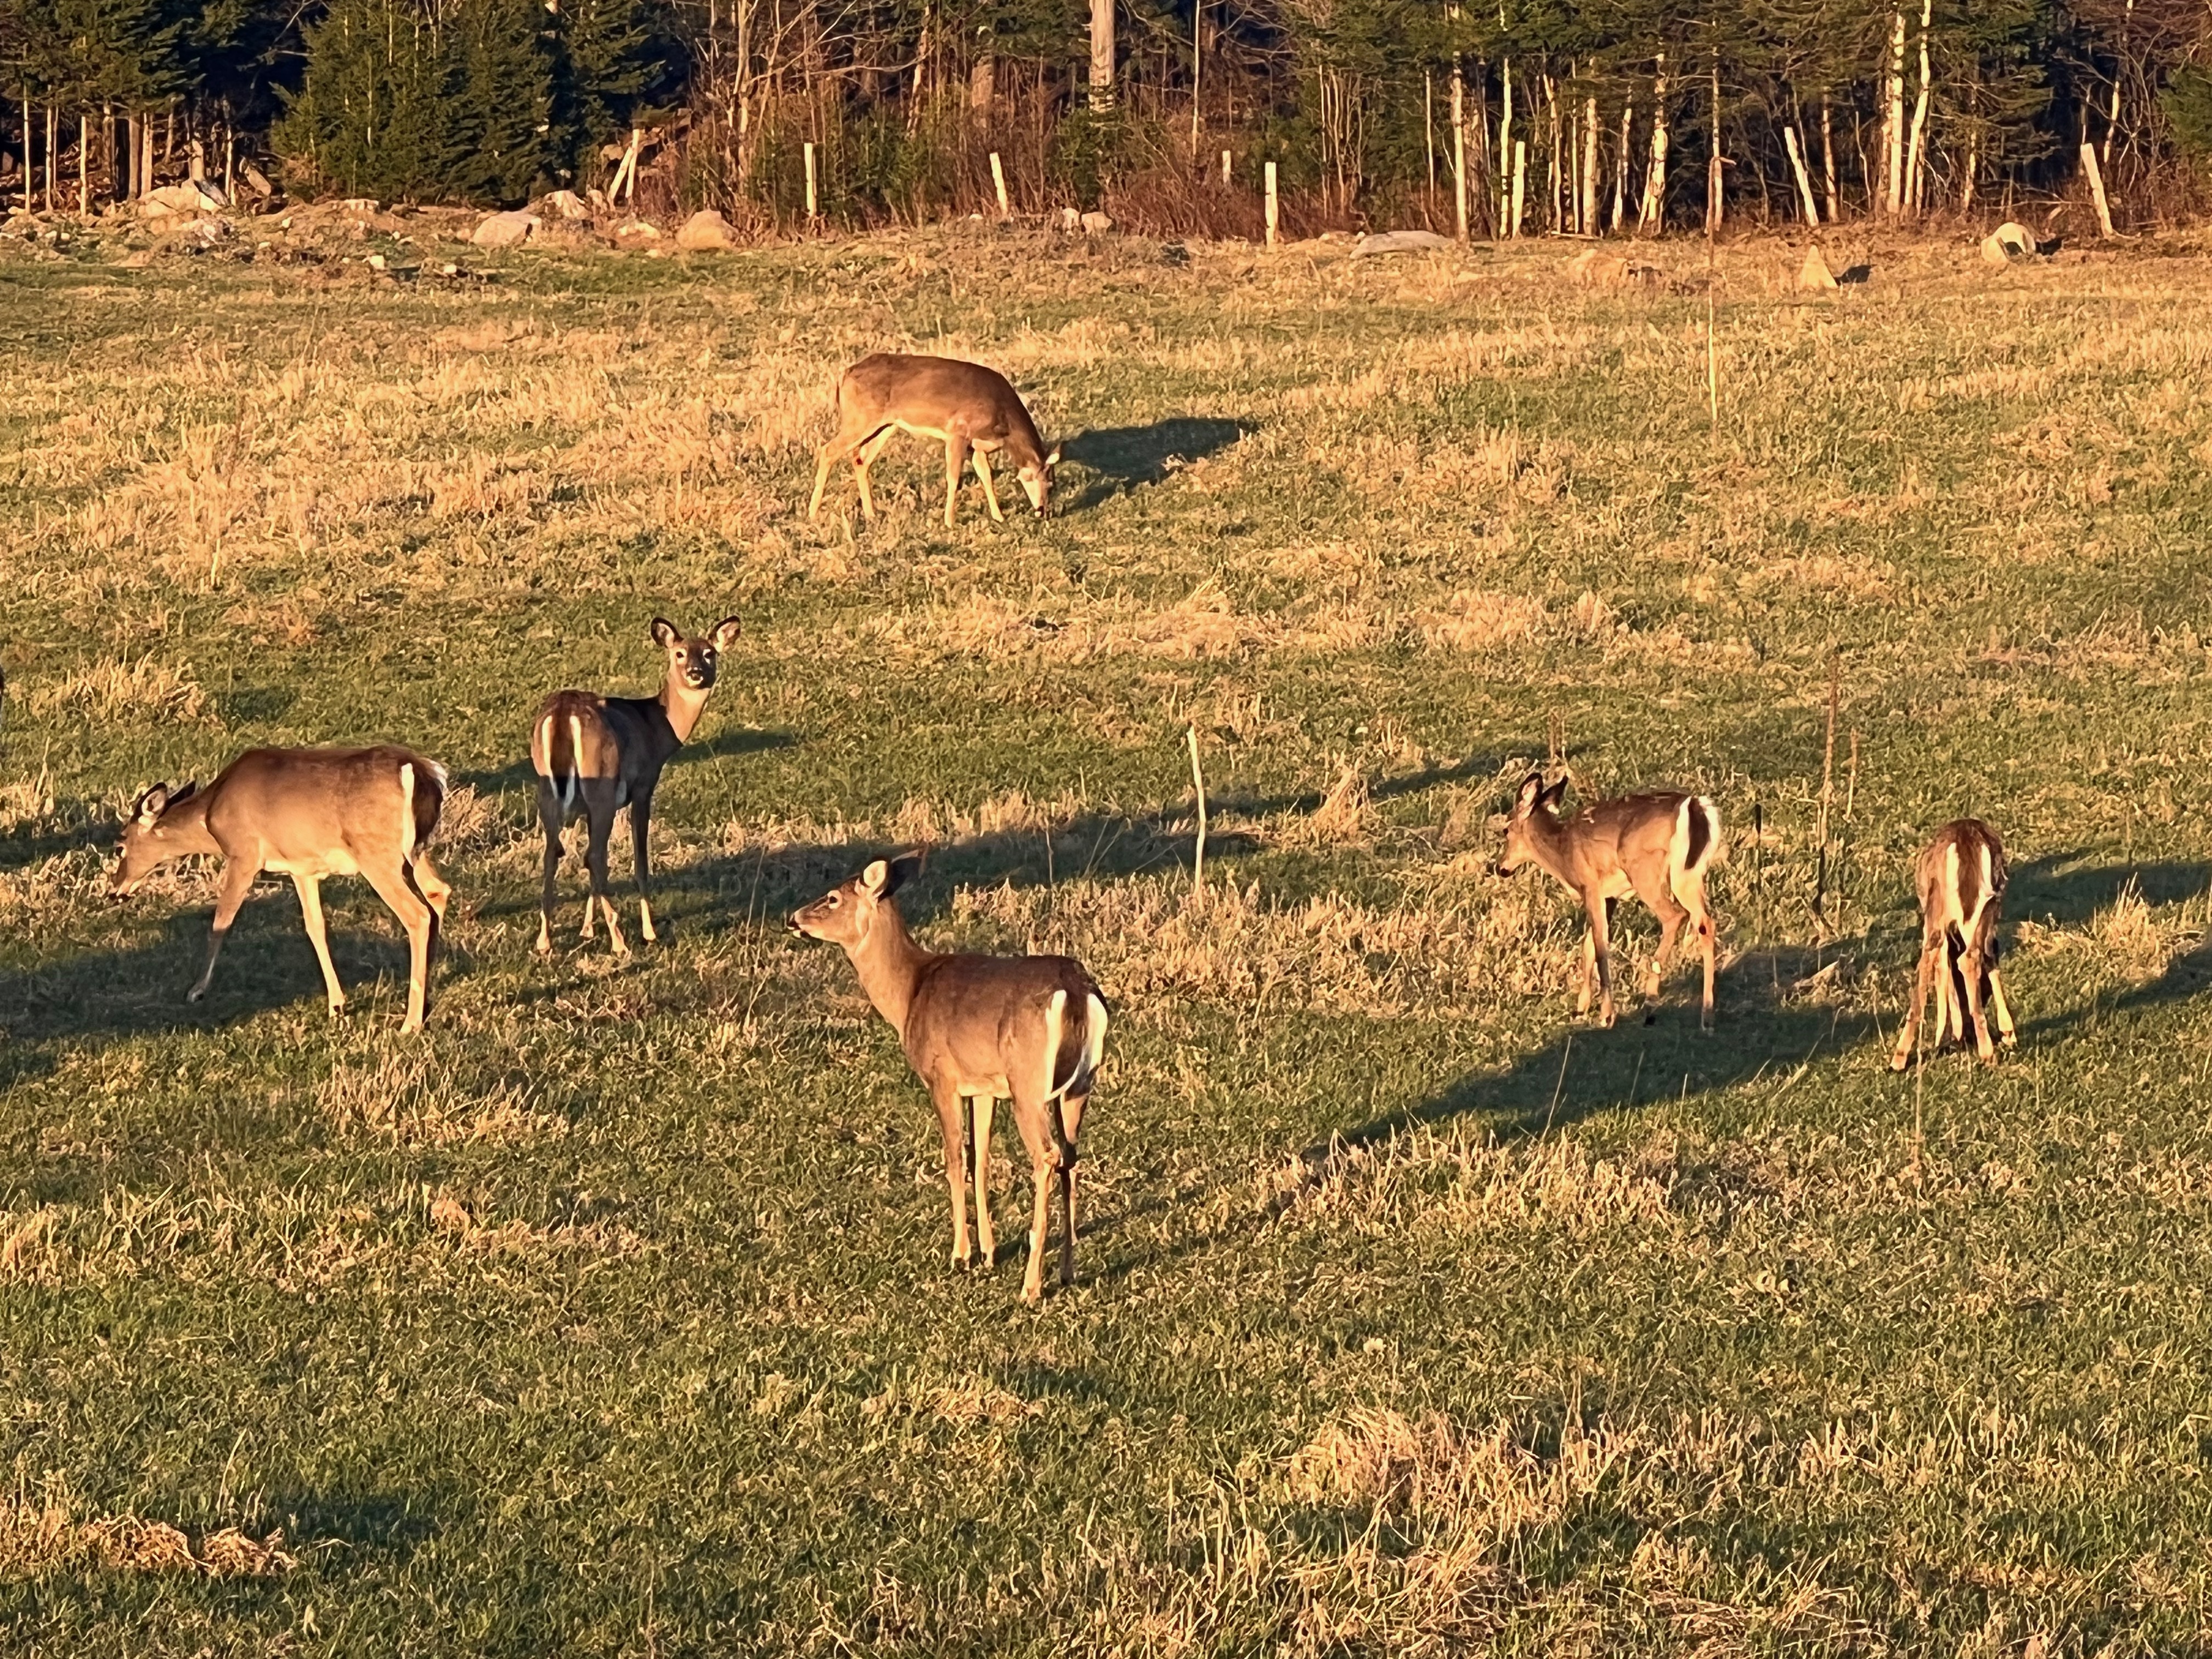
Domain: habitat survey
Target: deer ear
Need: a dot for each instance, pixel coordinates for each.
(876, 879)
(904, 868)
(1555, 794)
(1531, 791)
(665, 634)
(1053, 459)
(724, 634)
(151, 805)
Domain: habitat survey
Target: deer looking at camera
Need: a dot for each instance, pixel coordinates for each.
(306, 813)
(1657, 846)
(971, 410)
(1961, 881)
(596, 755)
(980, 1029)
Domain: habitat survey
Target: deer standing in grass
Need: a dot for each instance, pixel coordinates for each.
(981, 1029)
(1657, 846)
(306, 813)
(971, 410)
(1961, 881)
(596, 755)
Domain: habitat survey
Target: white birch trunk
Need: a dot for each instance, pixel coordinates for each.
(1804, 179)
(1102, 55)
(1893, 131)
(1916, 157)
(1829, 159)
(1620, 172)
(1654, 208)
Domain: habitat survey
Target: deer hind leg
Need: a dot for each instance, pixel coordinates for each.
(310, 889)
(990, 493)
(1671, 916)
(1902, 1056)
(602, 822)
(986, 1240)
(2001, 1008)
(415, 915)
(550, 815)
(238, 877)
(1071, 1119)
(1589, 973)
(641, 821)
(1972, 966)
(1045, 1163)
(864, 457)
(951, 1123)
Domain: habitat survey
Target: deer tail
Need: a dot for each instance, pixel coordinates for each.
(546, 753)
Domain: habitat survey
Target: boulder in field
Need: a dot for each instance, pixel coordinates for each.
(1400, 241)
(637, 231)
(194, 197)
(1095, 224)
(2006, 243)
(706, 232)
(568, 204)
(509, 229)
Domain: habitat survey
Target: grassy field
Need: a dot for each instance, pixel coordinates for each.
(615, 1316)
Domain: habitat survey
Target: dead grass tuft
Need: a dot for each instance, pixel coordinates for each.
(117, 690)
(38, 1540)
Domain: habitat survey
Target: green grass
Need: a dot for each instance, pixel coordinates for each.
(615, 1315)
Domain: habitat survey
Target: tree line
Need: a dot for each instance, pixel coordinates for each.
(1482, 117)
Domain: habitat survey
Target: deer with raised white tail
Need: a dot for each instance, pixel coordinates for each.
(973, 411)
(596, 755)
(306, 813)
(979, 1028)
(1656, 846)
(1962, 882)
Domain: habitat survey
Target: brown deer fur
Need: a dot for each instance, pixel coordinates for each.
(971, 410)
(1657, 846)
(306, 813)
(596, 755)
(1032, 1029)
(1962, 882)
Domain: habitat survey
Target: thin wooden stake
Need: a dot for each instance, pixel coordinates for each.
(1273, 218)
(1519, 182)
(1827, 787)
(1224, 166)
(1198, 781)
(998, 186)
(2097, 189)
(813, 206)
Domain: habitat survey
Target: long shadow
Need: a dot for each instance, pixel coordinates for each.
(1127, 456)
(518, 774)
(2050, 889)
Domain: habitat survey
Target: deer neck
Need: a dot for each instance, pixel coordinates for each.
(683, 706)
(184, 829)
(889, 964)
(1554, 847)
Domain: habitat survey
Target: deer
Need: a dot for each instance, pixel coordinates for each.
(1961, 878)
(974, 411)
(595, 755)
(1657, 846)
(306, 813)
(978, 1029)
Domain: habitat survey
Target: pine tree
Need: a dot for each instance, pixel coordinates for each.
(500, 144)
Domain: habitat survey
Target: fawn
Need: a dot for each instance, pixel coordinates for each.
(1962, 882)
(1657, 846)
(597, 753)
(972, 409)
(981, 1029)
(306, 813)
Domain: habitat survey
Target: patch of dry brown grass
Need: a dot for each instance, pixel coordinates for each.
(38, 1539)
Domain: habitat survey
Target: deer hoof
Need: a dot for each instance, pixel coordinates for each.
(196, 993)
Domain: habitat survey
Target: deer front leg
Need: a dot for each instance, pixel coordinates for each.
(955, 462)
(1902, 1056)
(825, 457)
(641, 820)
(951, 1123)
(1601, 939)
(986, 1240)
(2001, 1009)
(1071, 1112)
(237, 875)
(864, 457)
(1971, 970)
(310, 889)
(1589, 974)
(990, 495)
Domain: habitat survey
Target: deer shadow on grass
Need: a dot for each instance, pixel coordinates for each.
(519, 773)
(1127, 457)
(2060, 891)
(1775, 1022)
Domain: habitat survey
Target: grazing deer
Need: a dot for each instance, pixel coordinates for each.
(970, 408)
(595, 754)
(1961, 879)
(982, 1029)
(306, 813)
(1656, 846)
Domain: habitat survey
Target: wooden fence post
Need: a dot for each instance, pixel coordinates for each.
(1273, 215)
(998, 186)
